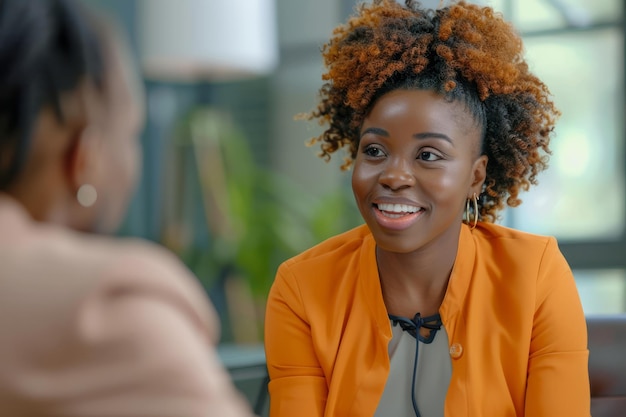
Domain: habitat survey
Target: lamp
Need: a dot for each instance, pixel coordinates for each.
(207, 39)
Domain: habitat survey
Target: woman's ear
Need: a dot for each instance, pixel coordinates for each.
(82, 161)
(479, 173)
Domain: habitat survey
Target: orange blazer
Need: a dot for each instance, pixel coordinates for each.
(517, 332)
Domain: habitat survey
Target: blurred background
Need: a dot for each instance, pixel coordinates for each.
(230, 186)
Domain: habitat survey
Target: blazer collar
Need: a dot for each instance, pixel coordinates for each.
(369, 283)
(460, 277)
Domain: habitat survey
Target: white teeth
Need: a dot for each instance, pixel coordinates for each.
(398, 208)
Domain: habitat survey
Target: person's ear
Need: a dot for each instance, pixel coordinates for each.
(83, 166)
(479, 173)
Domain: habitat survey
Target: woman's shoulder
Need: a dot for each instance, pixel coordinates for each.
(507, 246)
(138, 265)
(323, 266)
(491, 233)
(61, 269)
(103, 258)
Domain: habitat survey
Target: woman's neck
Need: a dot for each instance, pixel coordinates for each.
(416, 282)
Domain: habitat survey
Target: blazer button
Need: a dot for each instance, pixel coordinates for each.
(456, 350)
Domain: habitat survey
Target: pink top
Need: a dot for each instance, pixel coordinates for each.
(94, 326)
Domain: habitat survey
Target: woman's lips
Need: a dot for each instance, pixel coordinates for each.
(396, 216)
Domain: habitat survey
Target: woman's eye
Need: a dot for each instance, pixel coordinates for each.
(373, 151)
(428, 156)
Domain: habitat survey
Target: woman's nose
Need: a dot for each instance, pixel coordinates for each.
(397, 175)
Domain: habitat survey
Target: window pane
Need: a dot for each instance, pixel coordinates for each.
(602, 292)
(529, 15)
(534, 15)
(581, 195)
(596, 10)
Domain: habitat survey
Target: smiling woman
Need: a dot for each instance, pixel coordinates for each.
(430, 308)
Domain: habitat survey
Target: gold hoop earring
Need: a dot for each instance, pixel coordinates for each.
(473, 221)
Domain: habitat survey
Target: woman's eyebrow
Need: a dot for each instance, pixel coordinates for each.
(425, 135)
(376, 131)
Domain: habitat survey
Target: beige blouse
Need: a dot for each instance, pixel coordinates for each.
(433, 373)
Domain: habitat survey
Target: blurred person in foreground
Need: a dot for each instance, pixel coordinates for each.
(91, 326)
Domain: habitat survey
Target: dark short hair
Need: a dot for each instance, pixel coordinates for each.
(46, 48)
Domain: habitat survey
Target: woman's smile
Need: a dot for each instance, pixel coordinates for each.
(396, 216)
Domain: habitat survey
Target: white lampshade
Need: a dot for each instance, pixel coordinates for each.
(207, 39)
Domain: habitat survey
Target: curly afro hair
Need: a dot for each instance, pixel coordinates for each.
(464, 52)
